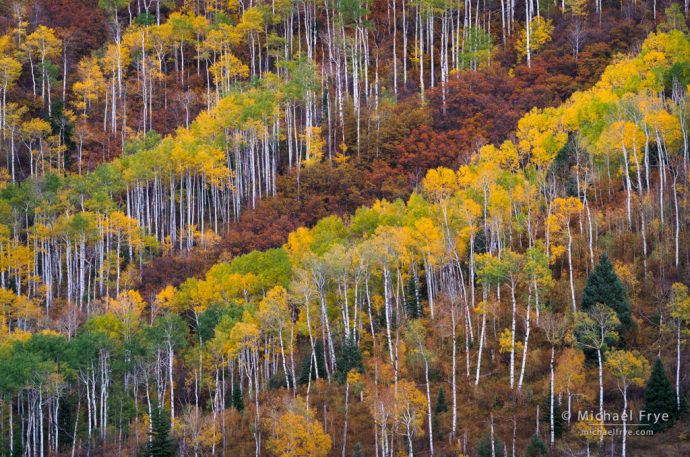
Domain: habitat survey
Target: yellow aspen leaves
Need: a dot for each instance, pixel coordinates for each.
(439, 184)
(540, 137)
(314, 145)
(680, 302)
(91, 85)
(299, 434)
(410, 406)
(570, 371)
(505, 157)
(564, 209)
(505, 342)
(628, 367)
(542, 31)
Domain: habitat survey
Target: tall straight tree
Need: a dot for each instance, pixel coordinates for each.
(629, 369)
(596, 330)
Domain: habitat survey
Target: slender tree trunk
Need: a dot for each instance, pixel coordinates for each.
(625, 421)
(570, 268)
(552, 431)
(601, 393)
(347, 397)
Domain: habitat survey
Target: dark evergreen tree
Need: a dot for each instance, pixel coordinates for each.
(558, 421)
(440, 408)
(659, 398)
(484, 446)
(277, 381)
(604, 286)
(536, 448)
(303, 377)
(237, 400)
(413, 304)
(307, 365)
(161, 444)
(349, 358)
(320, 360)
(441, 405)
(358, 450)
(439, 433)
(63, 126)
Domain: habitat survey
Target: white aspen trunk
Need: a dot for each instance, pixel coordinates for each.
(428, 405)
(552, 432)
(282, 353)
(677, 220)
(512, 336)
(454, 423)
(311, 338)
(481, 344)
(570, 268)
(171, 361)
(524, 350)
(387, 312)
(528, 33)
(347, 397)
(601, 392)
(628, 188)
(678, 325)
(625, 417)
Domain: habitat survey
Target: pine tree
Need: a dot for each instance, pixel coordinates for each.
(440, 408)
(412, 294)
(659, 398)
(358, 450)
(604, 286)
(350, 358)
(558, 422)
(320, 360)
(536, 448)
(307, 365)
(484, 447)
(303, 378)
(237, 400)
(161, 444)
(441, 405)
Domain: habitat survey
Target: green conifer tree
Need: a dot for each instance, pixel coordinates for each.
(307, 365)
(536, 448)
(484, 447)
(303, 377)
(161, 444)
(659, 398)
(358, 450)
(349, 358)
(558, 422)
(237, 400)
(413, 303)
(604, 286)
(441, 405)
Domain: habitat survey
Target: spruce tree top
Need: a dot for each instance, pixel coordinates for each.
(604, 286)
(441, 406)
(536, 448)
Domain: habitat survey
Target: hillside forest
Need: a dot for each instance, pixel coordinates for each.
(302, 228)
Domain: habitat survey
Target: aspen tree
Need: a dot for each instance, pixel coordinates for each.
(628, 369)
